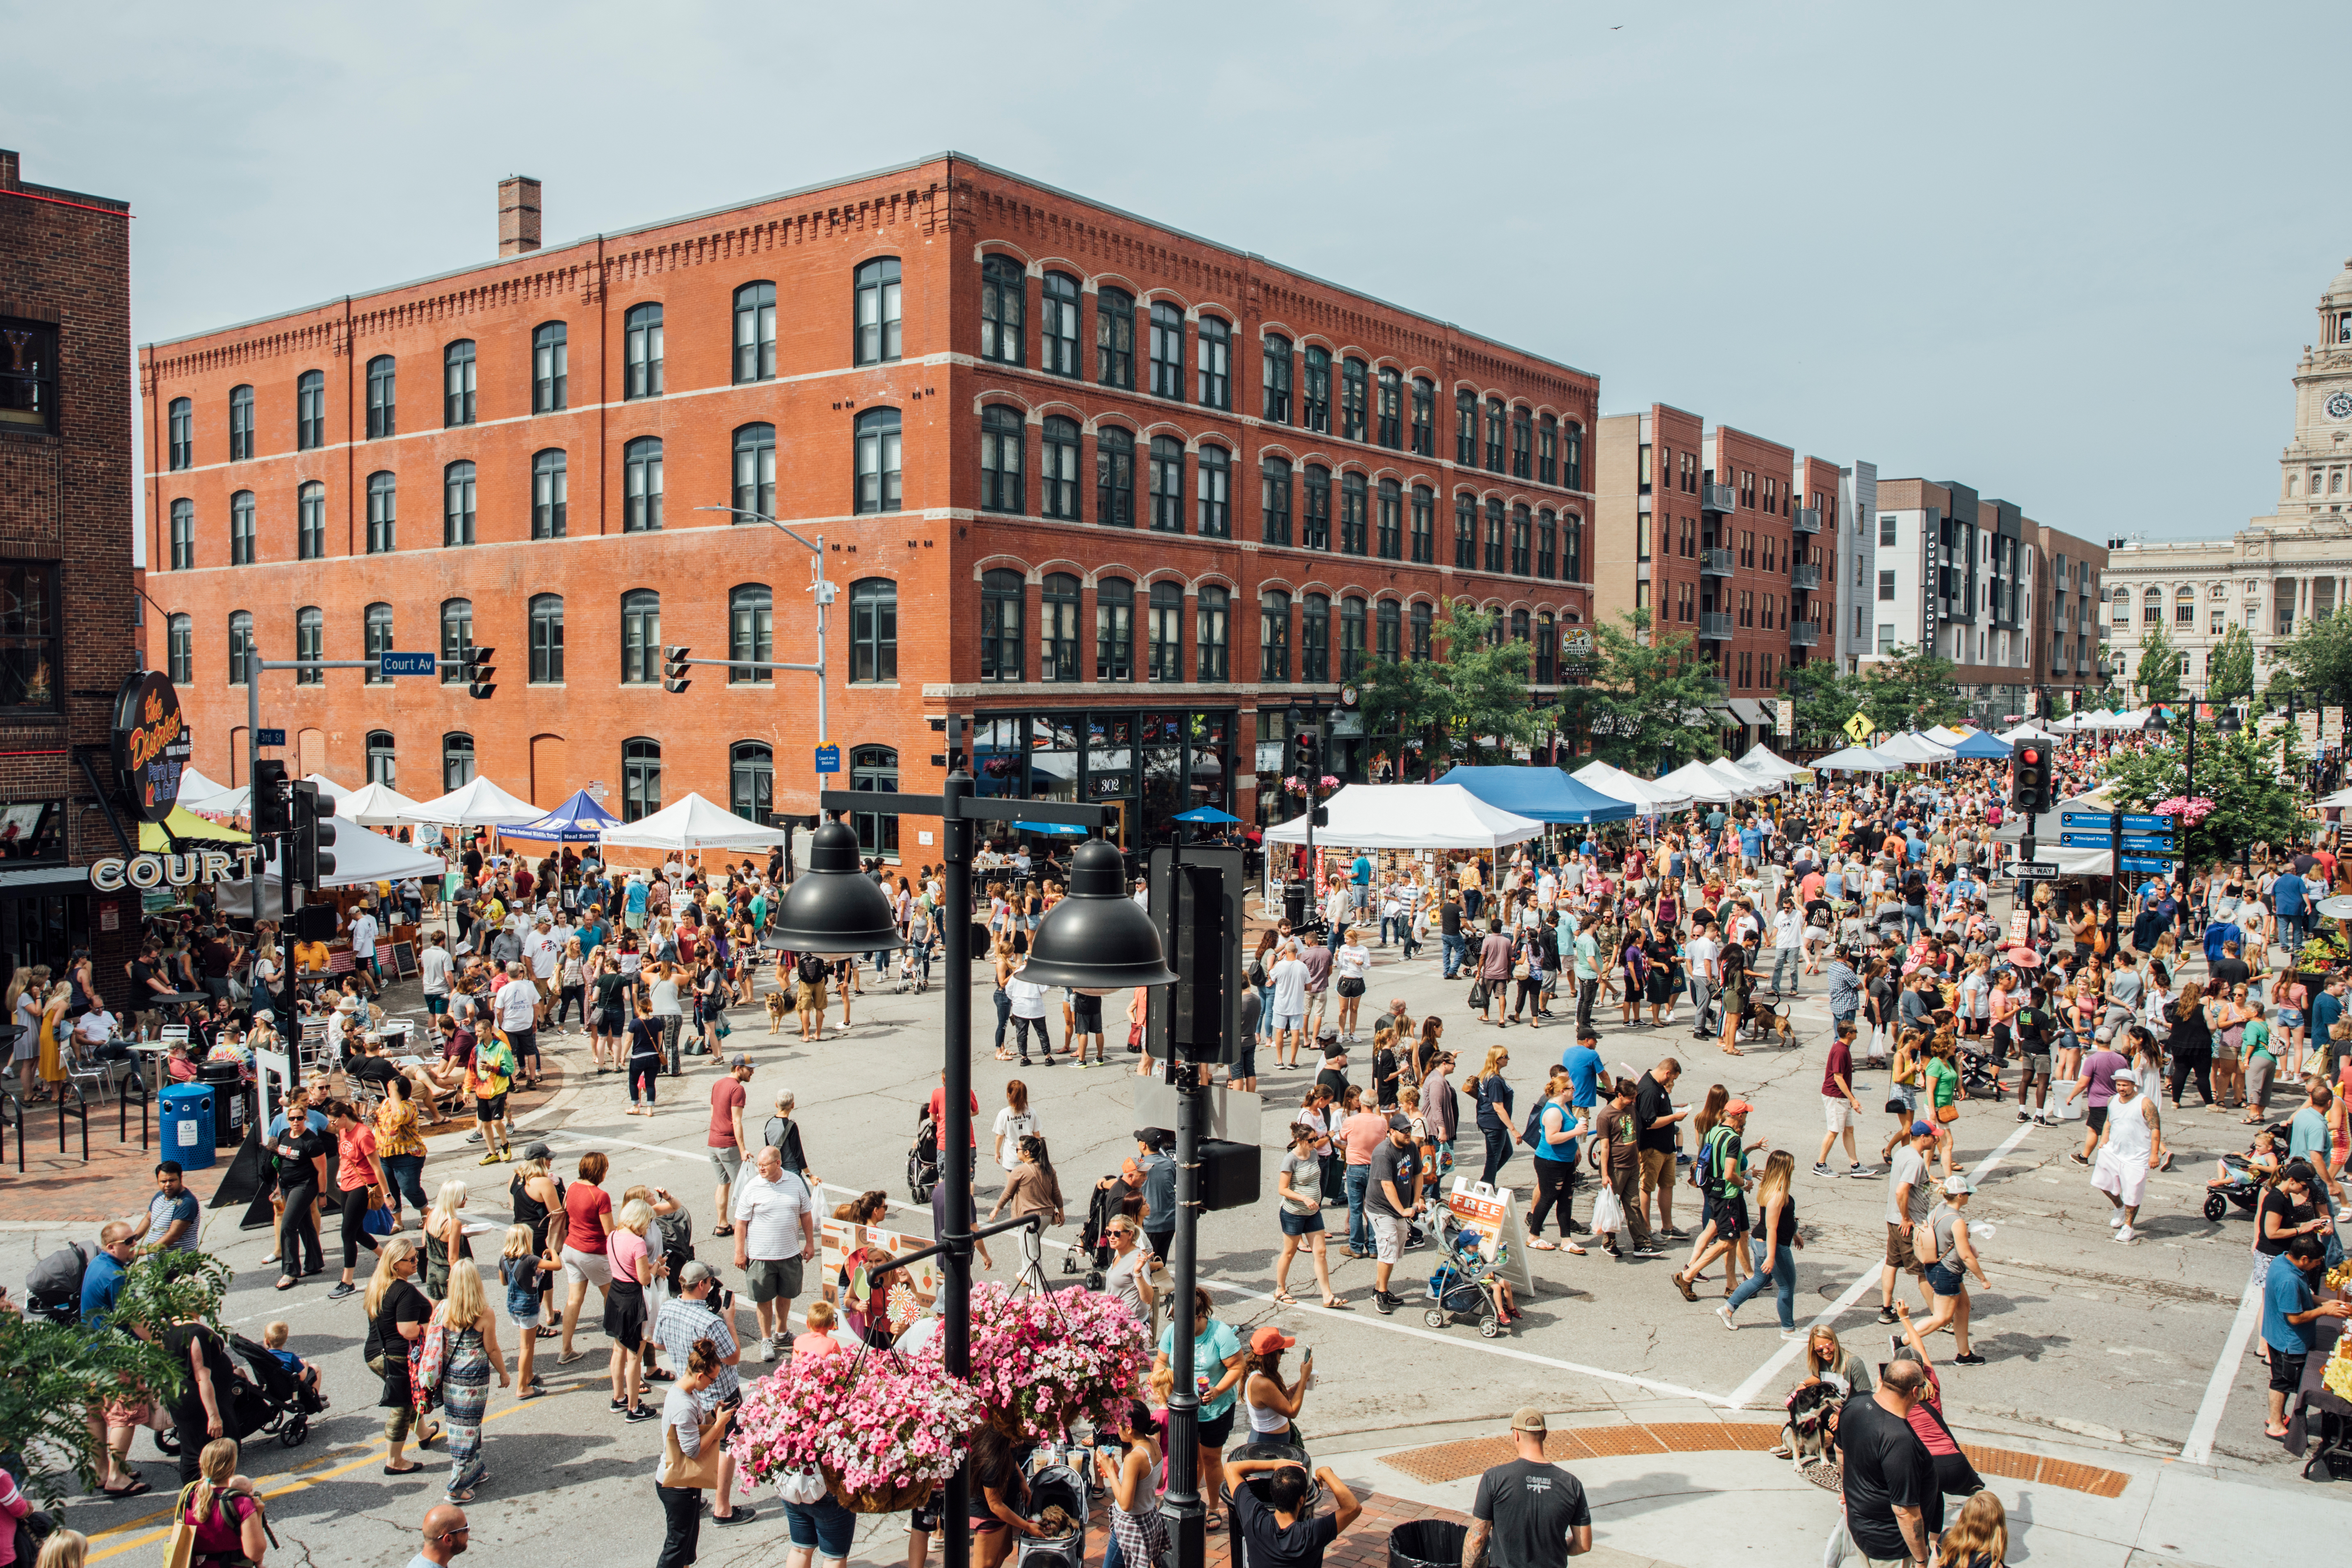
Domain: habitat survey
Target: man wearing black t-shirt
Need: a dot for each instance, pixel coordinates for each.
(1890, 1478)
(1530, 1513)
(1658, 1123)
(1280, 1531)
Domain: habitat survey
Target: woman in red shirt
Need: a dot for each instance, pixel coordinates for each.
(361, 1181)
(588, 1220)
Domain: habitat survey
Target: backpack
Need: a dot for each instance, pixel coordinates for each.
(1703, 1172)
(54, 1287)
(810, 969)
(1532, 1135)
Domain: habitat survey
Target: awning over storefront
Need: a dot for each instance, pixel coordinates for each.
(1750, 712)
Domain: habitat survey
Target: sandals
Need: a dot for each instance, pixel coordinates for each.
(1682, 1283)
(401, 1470)
(1540, 1245)
(570, 1357)
(546, 1333)
(1338, 1304)
(133, 1490)
(722, 1230)
(1285, 1299)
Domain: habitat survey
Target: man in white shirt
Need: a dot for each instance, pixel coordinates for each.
(541, 950)
(1287, 979)
(1703, 961)
(1788, 946)
(434, 964)
(516, 1010)
(775, 1233)
(363, 934)
(1028, 1000)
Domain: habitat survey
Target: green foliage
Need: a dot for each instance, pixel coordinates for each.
(2240, 773)
(2159, 675)
(2320, 659)
(1473, 691)
(1910, 690)
(1825, 700)
(1645, 685)
(2061, 704)
(2230, 677)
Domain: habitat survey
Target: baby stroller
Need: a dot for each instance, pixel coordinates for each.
(271, 1399)
(1094, 1238)
(1056, 1485)
(923, 1159)
(2241, 1176)
(1463, 1285)
(1978, 1075)
(1806, 1434)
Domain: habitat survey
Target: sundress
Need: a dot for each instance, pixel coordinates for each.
(464, 1393)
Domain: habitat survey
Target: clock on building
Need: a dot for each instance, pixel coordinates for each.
(2339, 406)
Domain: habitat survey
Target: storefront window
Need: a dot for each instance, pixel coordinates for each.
(33, 833)
(30, 654)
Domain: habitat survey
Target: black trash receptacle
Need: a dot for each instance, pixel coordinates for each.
(1294, 903)
(1426, 1543)
(226, 1080)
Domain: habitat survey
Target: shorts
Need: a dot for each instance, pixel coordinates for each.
(1388, 1237)
(1657, 1165)
(524, 1043)
(1087, 1012)
(2286, 1371)
(2095, 1118)
(1943, 1281)
(1837, 1112)
(1301, 1224)
(1244, 1058)
(728, 1163)
(524, 1320)
(2121, 1178)
(490, 1107)
(1284, 1022)
(824, 1525)
(2037, 1064)
(769, 1277)
(608, 1020)
(1899, 1255)
(1211, 1431)
(436, 1004)
(587, 1268)
(809, 998)
(1731, 1216)
(2290, 1018)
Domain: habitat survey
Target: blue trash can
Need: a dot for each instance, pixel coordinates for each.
(187, 1124)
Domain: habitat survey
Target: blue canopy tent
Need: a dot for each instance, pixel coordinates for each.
(1981, 745)
(579, 820)
(1206, 815)
(1540, 795)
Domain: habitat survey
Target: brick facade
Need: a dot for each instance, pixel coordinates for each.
(67, 604)
(973, 248)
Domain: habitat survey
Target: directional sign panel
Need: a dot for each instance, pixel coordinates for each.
(270, 737)
(2145, 863)
(390, 664)
(2134, 821)
(2035, 871)
(2142, 821)
(828, 759)
(2098, 820)
(2132, 846)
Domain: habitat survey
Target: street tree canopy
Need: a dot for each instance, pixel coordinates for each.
(2319, 660)
(1470, 697)
(1643, 693)
(2159, 675)
(2240, 773)
(2230, 677)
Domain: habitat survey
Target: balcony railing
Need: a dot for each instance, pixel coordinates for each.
(1806, 574)
(1806, 519)
(1804, 634)
(1714, 562)
(1717, 498)
(1714, 625)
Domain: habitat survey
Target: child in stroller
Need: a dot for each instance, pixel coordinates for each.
(1058, 1507)
(2240, 1179)
(274, 1399)
(1470, 1280)
(923, 1158)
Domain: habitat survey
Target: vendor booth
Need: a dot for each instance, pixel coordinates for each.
(1539, 793)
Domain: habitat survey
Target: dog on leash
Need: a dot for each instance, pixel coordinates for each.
(779, 1008)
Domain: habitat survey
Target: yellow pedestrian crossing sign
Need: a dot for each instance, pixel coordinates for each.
(1859, 729)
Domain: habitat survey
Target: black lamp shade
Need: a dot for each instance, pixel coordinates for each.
(834, 908)
(1097, 939)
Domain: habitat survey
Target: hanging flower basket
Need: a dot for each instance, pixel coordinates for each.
(882, 1430)
(1044, 1361)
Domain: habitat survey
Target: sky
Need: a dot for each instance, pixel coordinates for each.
(2065, 254)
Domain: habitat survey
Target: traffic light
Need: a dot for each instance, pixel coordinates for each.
(269, 809)
(2029, 779)
(478, 671)
(674, 678)
(313, 834)
(1307, 757)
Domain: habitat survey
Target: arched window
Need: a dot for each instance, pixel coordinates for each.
(311, 410)
(240, 424)
(641, 486)
(1522, 541)
(755, 333)
(375, 637)
(1351, 638)
(457, 638)
(1352, 541)
(310, 643)
(1465, 531)
(1057, 326)
(383, 401)
(1548, 449)
(751, 781)
(1547, 544)
(1114, 629)
(2151, 607)
(751, 632)
(240, 645)
(1389, 522)
(1058, 472)
(551, 368)
(457, 383)
(1315, 524)
(876, 320)
(1167, 351)
(1114, 338)
(641, 351)
(1210, 618)
(1421, 627)
(1216, 484)
(311, 521)
(1388, 624)
(1002, 592)
(1424, 523)
(1164, 631)
(1494, 547)
(875, 768)
(1354, 391)
(641, 778)
(1519, 626)
(877, 460)
(1167, 485)
(1389, 410)
(1522, 444)
(550, 494)
(1465, 427)
(1546, 649)
(1315, 639)
(1003, 290)
(456, 761)
(240, 528)
(1572, 456)
(1496, 418)
(1424, 416)
(2184, 605)
(457, 505)
(1273, 634)
(1058, 628)
(641, 637)
(874, 629)
(547, 640)
(381, 769)
(1315, 391)
(180, 642)
(183, 428)
(184, 535)
(1571, 548)
(1274, 501)
(384, 513)
(1113, 478)
(755, 472)
(1277, 378)
(1216, 340)
(1000, 460)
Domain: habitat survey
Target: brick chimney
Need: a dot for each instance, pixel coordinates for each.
(517, 215)
(8, 167)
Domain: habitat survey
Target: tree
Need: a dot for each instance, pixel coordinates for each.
(2060, 704)
(2318, 661)
(1473, 691)
(2241, 772)
(1825, 700)
(2230, 677)
(2159, 675)
(1649, 694)
(1908, 689)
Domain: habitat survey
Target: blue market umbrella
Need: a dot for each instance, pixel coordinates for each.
(579, 820)
(1205, 814)
(1058, 829)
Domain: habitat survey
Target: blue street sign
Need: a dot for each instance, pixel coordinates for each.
(2098, 820)
(2142, 863)
(2134, 821)
(389, 664)
(2132, 846)
(828, 759)
(2152, 845)
(270, 737)
(2086, 841)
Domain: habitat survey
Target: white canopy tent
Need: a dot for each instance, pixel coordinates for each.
(1654, 799)
(378, 806)
(2024, 733)
(2340, 799)
(692, 823)
(1855, 760)
(1914, 750)
(1411, 817)
(1943, 736)
(330, 785)
(1700, 781)
(1763, 760)
(196, 789)
(1754, 783)
(2135, 720)
(476, 804)
(360, 858)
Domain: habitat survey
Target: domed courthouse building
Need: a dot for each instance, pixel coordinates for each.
(1118, 494)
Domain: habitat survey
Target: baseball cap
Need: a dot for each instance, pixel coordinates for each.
(538, 1152)
(1957, 1186)
(1737, 1108)
(1586, 1032)
(1129, 1172)
(1922, 1130)
(1527, 1418)
(695, 1273)
(1400, 1124)
(1268, 1339)
(741, 1061)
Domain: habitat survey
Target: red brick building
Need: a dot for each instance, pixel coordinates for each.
(67, 596)
(1116, 492)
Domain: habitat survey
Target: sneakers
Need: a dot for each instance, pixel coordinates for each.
(1649, 1251)
(1386, 1302)
(2126, 1234)
(642, 1413)
(1724, 1313)
(1860, 1169)
(2114, 1222)
(1972, 1359)
(1887, 1315)
(477, 1137)
(1820, 1168)
(2023, 1114)
(763, 1350)
(343, 1289)
(2078, 1157)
